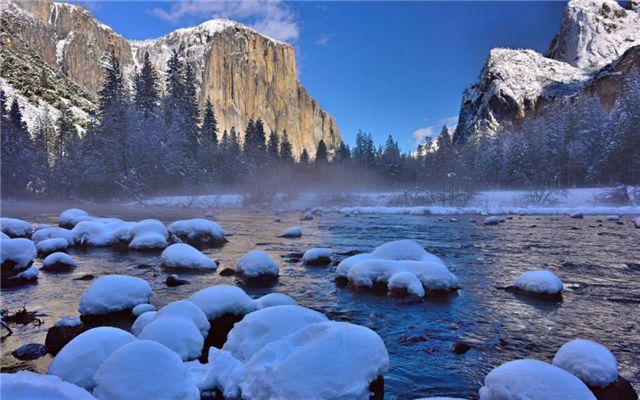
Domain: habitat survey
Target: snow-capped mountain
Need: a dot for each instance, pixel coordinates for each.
(244, 73)
(596, 38)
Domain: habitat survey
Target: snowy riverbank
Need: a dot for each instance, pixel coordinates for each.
(587, 201)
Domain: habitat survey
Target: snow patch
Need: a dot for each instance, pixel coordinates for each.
(589, 361)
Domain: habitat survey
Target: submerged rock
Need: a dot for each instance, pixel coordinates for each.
(460, 347)
(174, 280)
(30, 351)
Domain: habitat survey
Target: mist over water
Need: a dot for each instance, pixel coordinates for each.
(598, 261)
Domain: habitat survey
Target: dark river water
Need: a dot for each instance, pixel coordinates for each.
(598, 261)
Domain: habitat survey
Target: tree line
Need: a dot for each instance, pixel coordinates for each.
(143, 140)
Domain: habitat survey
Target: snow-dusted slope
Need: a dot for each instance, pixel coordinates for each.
(583, 61)
(245, 74)
(594, 33)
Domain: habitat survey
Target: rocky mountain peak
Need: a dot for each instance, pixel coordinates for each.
(595, 32)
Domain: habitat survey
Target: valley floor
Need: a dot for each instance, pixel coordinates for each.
(585, 200)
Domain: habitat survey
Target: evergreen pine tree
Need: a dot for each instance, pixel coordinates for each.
(273, 147)
(304, 157)
(209, 147)
(322, 157)
(17, 153)
(286, 152)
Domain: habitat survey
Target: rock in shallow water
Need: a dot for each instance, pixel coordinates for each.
(174, 280)
(30, 351)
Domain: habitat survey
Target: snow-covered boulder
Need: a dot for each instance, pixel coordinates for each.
(16, 255)
(533, 380)
(262, 327)
(141, 309)
(179, 335)
(406, 282)
(637, 223)
(15, 228)
(308, 216)
(144, 369)
(274, 299)
(293, 232)
(216, 301)
(184, 256)
(434, 276)
(149, 234)
(613, 218)
(69, 218)
(54, 233)
(541, 282)
(257, 264)
(58, 262)
(16, 259)
(29, 385)
(62, 332)
(326, 360)
(377, 269)
(198, 232)
(4, 236)
(224, 373)
(48, 246)
(101, 232)
(188, 311)
(576, 215)
(142, 321)
(114, 293)
(589, 361)
(317, 256)
(79, 360)
(493, 220)
(224, 306)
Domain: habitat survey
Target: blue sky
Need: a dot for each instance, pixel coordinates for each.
(384, 67)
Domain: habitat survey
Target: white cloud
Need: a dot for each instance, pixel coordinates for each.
(272, 18)
(433, 130)
(324, 38)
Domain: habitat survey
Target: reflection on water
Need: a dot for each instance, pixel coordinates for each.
(598, 261)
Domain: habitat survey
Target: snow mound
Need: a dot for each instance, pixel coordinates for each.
(342, 358)
(68, 322)
(433, 276)
(406, 281)
(589, 361)
(58, 261)
(52, 245)
(183, 256)
(317, 256)
(293, 232)
(540, 282)
(15, 228)
(16, 254)
(274, 299)
(532, 380)
(112, 293)
(79, 359)
(225, 373)
(102, 232)
(53, 233)
(141, 309)
(186, 310)
(198, 231)
(144, 369)
(402, 258)
(614, 218)
(142, 321)
(345, 265)
(257, 263)
(29, 385)
(70, 217)
(637, 223)
(148, 234)
(262, 327)
(3, 236)
(217, 300)
(179, 335)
